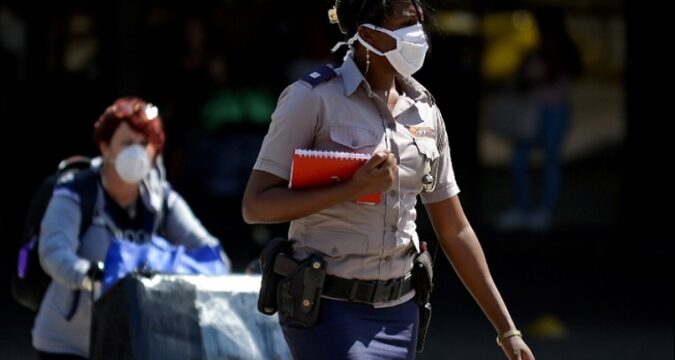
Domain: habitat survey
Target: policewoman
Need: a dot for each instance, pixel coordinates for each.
(370, 104)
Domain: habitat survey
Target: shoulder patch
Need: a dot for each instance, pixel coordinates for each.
(319, 75)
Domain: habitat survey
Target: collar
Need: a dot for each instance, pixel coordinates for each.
(351, 76)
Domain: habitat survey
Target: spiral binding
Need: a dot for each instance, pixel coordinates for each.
(332, 154)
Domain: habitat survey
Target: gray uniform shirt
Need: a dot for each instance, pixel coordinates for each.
(66, 259)
(361, 241)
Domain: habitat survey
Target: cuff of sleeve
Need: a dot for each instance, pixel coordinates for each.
(273, 168)
(441, 194)
(81, 267)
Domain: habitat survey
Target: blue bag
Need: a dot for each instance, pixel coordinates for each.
(159, 256)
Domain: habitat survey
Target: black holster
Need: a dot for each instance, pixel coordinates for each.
(267, 298)
(299, 294)
(292, 287)
(423, 274)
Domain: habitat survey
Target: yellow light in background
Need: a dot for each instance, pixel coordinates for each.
(508, 37)
(457, 23)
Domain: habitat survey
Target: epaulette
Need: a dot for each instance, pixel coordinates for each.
(319, 75)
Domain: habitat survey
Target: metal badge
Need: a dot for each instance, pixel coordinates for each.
(428, 182)
(427, 179)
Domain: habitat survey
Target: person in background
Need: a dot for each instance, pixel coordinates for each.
(134, 202)
(545, 76)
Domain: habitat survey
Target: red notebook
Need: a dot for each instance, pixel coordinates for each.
(316, 168)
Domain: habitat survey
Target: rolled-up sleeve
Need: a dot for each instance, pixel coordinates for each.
(59, 241)
(294, 124)
(446, 184)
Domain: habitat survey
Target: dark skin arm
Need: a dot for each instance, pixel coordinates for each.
(267, 198)
(461, 246)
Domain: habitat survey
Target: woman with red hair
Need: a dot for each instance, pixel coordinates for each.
(134, 202)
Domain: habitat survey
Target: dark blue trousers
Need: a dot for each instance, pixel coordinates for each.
(356, 332)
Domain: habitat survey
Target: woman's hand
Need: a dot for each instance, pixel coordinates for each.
(516, 349)
(376, 175)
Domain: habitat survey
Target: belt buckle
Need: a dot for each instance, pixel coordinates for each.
(399, 289)
(369, 289)
(386, 290)
(379, 293)
(396, 287)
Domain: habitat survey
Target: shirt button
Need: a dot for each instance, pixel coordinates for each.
(393, 228)
(355, 143)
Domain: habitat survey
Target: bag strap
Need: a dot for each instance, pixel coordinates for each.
(86, 186)
(163, 212)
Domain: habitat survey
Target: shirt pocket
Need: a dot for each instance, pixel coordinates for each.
(354, 138)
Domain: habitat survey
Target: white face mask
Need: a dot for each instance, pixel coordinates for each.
(132, 164)
(411, 48)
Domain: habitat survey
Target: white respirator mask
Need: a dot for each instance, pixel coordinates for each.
(411, 47)
(133, 164)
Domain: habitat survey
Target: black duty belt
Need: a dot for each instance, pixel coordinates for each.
(367, 291)
(353, 290)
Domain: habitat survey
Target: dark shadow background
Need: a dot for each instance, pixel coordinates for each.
(594, 286)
